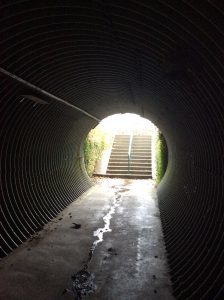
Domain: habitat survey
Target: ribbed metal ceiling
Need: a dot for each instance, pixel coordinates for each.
(161, 59)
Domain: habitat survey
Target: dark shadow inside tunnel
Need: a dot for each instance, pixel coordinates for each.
(66, 65)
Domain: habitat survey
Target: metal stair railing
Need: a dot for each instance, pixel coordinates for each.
(129, 152)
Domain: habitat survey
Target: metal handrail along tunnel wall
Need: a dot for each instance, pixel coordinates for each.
(160, 59)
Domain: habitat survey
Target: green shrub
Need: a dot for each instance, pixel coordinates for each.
(94, 145)
(161, 157)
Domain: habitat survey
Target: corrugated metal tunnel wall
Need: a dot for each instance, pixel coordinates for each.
(161, 59)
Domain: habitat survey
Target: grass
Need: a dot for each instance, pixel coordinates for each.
(161, 157)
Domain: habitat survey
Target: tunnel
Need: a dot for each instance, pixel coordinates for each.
(66, 65)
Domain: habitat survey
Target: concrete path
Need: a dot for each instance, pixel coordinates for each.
(116, 254)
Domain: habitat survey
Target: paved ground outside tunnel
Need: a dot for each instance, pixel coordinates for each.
(117, 253)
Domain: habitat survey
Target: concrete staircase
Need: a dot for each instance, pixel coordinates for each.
(140, 164)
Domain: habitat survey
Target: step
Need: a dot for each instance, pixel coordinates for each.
(149, 173)
(125, 163)
(119, 156)
(142, 138)
(131, 172)
(133, 156)
(116, 160)
(133, 167)
(147, 145)
(120, 146)
(139, 170)
(119, 174)
(133, 162)
(136, 164)
(119, 149)
(145, 157)
(121, 143)
(141, 142)
(148, 150)
(120, 153)
(141, 146)
(126, 139)
(141, 154)
(141, 162)
(125, 143)
(141, 150)
(132, 176)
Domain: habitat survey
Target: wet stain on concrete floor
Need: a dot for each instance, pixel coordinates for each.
(83, 281)
(116, 253)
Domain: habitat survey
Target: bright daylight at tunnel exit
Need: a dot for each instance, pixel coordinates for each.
(111, 150)
(126, 146)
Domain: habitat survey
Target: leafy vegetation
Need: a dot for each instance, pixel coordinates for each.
(161, 157)
(94, 145)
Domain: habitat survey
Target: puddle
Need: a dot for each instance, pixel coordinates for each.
(83, 281)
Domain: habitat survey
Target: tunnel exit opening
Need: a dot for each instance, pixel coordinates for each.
(125, 146)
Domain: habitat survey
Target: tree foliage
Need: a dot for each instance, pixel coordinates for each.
(94, 145)
(161, 157)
